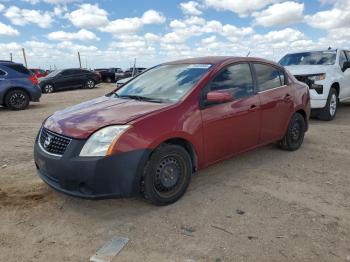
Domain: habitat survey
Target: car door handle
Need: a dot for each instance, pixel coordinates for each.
(252, 108)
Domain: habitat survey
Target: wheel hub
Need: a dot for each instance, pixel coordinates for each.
(333, 105)
(17, 100)
(295, 134)
(168, 174)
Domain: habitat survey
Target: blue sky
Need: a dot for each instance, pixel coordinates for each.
(113, 33)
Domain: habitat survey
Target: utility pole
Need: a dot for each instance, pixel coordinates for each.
(24, 56)
(11, 57)
(79, 59)
(133, 69)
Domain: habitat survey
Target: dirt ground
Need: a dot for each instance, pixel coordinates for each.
(266, 205)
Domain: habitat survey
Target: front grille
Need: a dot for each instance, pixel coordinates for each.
(53, 143)
(305, 79)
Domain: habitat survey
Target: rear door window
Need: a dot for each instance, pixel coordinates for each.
(2, 73)
(268, 77)
(342, 59)
(19, 68)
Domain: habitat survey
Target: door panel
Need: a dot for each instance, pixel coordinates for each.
(231, 128)
(276, 108)
(345, 81)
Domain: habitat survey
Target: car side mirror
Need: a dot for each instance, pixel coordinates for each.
(218, 97)
(346, 65)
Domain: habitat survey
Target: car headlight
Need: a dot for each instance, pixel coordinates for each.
(103, 140)
(318, 77)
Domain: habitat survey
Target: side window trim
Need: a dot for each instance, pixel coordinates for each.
(206, 87)
(5, 73)
(282, 70)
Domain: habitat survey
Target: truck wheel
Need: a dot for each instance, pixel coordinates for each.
(17, 100)
(329, 112)
(167, 175)
(294, 137)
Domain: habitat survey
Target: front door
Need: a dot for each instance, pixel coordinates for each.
(231, 127)
(344, 82)
(276, 98)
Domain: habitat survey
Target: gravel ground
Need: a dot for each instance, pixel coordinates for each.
(265, 205)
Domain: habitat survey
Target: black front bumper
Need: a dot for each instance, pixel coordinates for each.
(91, 177)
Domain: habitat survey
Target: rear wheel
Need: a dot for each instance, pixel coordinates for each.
(167, 175)
(17, 100)
(329, 112)
(48, 88)
(90, 84)
(294, 137)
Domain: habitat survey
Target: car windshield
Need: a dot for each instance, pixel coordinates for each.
(309, 58)
(164, 82)
(54, 73)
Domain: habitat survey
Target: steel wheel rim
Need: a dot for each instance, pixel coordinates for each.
(169, 176)
(333, 105)
(18, 100)
(296, 131)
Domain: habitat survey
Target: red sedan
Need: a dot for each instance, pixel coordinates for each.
(151, 135)
(38, 72)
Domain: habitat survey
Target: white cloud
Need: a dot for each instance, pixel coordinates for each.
(22, 17)
(82, 35)
(280, 14)
(54, 2)
(241, 7)
(88, 16)
(134, 24)
(338, 17)
(8, 30)
(152, 17)
(2, 7)
(191, 8)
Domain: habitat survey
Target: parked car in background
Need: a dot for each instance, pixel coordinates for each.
(149, 137)
(122, 81)
(110, 75)
(68, 79)
(133, 71)
(39, 72)
(327, 74)
(18, 86)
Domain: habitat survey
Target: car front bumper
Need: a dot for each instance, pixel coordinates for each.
(91, 177)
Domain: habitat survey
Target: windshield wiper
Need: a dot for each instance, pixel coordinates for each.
(141, 98)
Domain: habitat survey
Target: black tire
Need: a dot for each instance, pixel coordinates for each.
(90, 84)
(48, 89)
(167, 175)
(294, 136)
(329, 112)
(17, 100)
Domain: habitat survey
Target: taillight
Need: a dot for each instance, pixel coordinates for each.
(34, 80)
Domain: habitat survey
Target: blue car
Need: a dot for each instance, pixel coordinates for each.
(18, 86)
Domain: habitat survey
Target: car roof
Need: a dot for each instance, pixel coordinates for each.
(216, 60)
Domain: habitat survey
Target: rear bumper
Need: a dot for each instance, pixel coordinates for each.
(91, 177)
(35, 94)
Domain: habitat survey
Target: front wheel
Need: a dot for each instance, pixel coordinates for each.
(90, 84)
(329, 112)
(167, 175)
(294, 137)
(17, 100)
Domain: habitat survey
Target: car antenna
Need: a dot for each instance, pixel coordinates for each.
(248, 54)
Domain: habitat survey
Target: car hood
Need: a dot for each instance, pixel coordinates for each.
(308, 69)
(81, 120)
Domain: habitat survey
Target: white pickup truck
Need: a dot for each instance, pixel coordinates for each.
(326, 73)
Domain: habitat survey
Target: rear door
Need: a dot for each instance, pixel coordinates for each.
(276, 98)
(232, 127)
(3, 84)
(65, 79)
